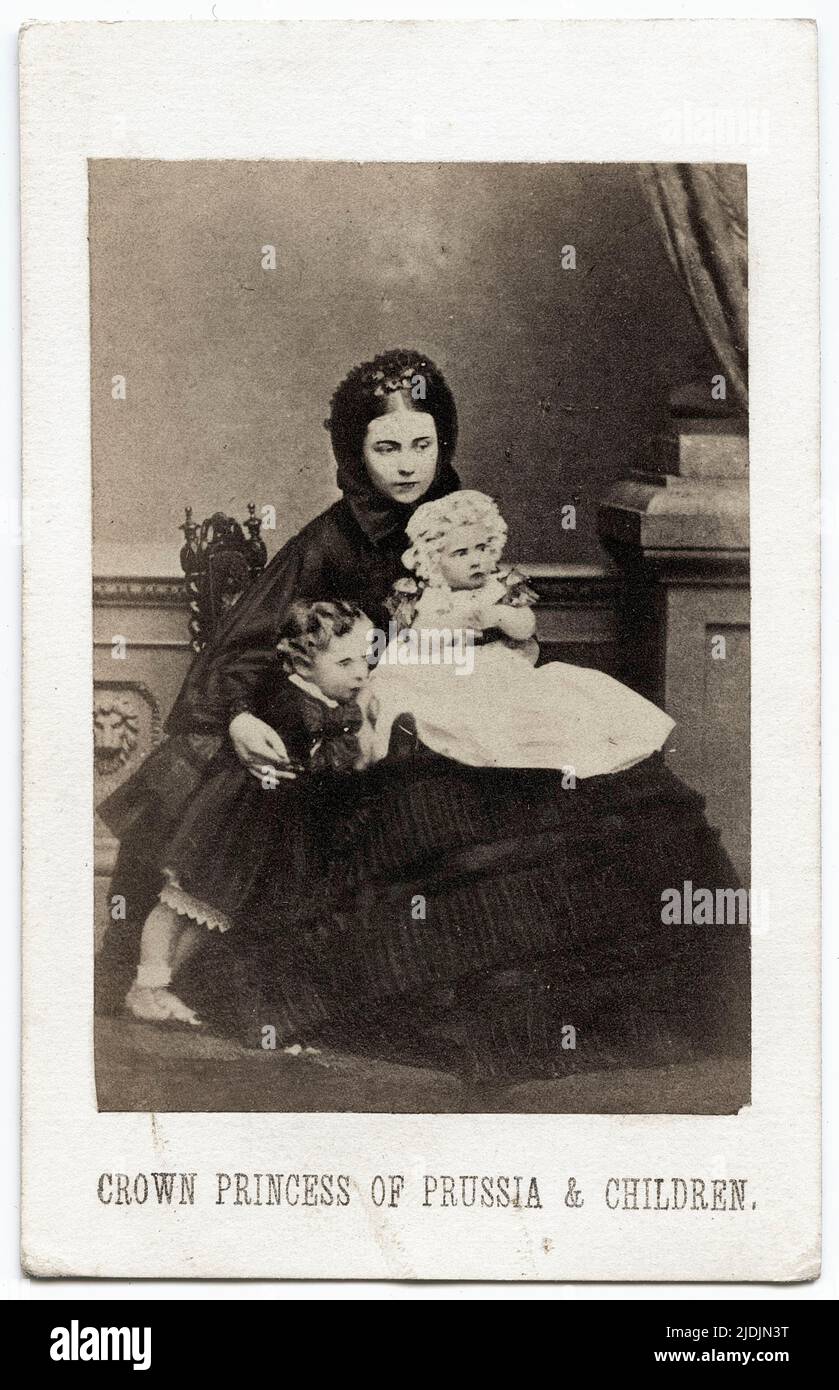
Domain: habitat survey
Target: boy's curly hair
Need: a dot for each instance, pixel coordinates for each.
(310, 626)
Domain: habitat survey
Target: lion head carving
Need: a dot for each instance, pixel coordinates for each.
(116, 728)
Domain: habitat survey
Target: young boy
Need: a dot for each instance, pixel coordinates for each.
(246, 841)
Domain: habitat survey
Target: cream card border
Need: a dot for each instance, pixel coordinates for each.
(489, 91)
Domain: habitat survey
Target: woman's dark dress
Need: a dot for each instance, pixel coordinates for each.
(541, 907)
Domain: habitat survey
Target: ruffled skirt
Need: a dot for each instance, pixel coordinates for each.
(498, 922)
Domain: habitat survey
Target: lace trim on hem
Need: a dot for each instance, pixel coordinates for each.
(176, 897)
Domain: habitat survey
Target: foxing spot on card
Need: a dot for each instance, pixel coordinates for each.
(432, 853)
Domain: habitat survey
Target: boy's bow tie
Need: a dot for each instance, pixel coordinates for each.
(328, 723)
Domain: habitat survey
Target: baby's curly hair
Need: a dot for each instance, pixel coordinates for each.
(433, 522)
(362, 397)
(310, 627)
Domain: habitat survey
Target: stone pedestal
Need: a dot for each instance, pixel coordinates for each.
(682, 545)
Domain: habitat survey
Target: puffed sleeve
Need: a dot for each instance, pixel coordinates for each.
(401, 602)
(224, 678)
(518, 593)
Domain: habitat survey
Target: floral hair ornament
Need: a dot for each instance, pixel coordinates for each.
(409, 379)
(432, 524)
(400, 371)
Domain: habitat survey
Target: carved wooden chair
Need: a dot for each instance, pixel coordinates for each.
(220, 558)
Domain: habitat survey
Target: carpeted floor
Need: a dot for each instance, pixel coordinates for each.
(141, 1067)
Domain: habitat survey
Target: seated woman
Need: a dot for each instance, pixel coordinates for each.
(465, 913)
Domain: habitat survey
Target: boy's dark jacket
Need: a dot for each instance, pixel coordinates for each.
(318, 737)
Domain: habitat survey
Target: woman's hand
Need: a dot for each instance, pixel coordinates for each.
(516, 623)
(259, 748)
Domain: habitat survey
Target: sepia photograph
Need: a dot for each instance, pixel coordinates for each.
(421, 615)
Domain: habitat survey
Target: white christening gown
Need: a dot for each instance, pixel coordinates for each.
(502, 712)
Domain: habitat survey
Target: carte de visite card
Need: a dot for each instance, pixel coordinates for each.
(421, 495)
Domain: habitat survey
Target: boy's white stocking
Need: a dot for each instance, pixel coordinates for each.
(190, 938)
(161, 930)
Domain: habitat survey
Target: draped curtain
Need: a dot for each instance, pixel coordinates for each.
(700, 211)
